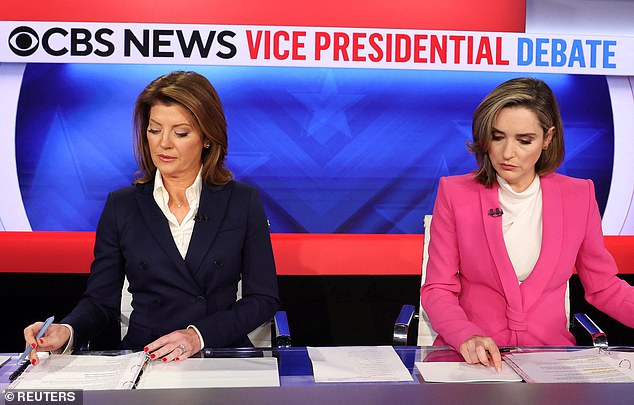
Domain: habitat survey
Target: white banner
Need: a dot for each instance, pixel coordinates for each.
(67, 42)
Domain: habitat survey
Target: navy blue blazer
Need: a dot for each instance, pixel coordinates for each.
(230, 242)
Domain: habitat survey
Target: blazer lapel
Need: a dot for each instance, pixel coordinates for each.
(211, 212)
(552, 240)
(495, 239)
(159, 228)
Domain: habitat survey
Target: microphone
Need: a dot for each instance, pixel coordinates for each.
(200, 217)
(497, 212)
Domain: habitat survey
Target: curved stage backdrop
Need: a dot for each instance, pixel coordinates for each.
(332, 151)
(344, 116)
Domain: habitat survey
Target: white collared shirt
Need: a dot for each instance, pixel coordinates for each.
(182, 233)
(522, 225)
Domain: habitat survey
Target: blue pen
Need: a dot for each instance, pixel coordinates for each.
(47, 323)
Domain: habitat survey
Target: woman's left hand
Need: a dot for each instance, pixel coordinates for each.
(177, 345)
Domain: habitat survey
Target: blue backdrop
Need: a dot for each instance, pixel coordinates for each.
(332, 150)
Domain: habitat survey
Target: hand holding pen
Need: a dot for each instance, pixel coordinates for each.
(43, 336)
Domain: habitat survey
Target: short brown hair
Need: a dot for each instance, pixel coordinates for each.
(195, 93)
(533, 94)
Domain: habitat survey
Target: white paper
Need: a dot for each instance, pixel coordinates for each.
(623, 359)
(357, 364)
(216, 372)
(82, 372)
(581, 366)
(456, 372)
(4, 359)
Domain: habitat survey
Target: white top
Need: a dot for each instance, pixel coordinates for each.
(522, 225)
(182, 232)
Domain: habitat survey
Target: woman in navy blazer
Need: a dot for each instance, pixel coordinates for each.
(184, 235)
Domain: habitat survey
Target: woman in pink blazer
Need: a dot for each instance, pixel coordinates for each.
(505, 239)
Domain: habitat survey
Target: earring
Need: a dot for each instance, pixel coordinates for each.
(207, 145)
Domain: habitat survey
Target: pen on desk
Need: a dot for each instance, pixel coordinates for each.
(509, 349)
(19, 370)
(43, 329)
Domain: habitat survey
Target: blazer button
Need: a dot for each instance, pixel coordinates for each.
(218, 263)
(200, 299)
(143, 265)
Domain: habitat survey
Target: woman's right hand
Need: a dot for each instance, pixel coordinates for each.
(481, 349)
(55, 337)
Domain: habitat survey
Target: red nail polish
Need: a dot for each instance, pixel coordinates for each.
(41, 340)
(33, 361)
(146, 349)
(177, 359)
(33, 345)
(164, 359)
(152, 355)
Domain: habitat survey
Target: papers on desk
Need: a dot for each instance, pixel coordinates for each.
(211, 373)
(580, 366)
(4, 359)
(357, 364)
(135, 370)
(460, 372)
(82, 372)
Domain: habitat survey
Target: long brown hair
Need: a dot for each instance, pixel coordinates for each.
(195, 93)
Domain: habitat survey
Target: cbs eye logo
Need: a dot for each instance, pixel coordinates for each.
(23, 41)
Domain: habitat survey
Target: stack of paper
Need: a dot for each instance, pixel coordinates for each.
(460, 372)
(212, 373)
(136, 370)
(82, 372)
(580, 366)
(357, 364)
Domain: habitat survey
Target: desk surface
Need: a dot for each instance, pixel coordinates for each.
(298, 386)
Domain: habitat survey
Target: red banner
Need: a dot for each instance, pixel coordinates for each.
(463, 15)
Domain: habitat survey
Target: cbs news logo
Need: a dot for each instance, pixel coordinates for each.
(57, 41)
(142, 42)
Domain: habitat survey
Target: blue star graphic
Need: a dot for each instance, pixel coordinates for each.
(328, 107)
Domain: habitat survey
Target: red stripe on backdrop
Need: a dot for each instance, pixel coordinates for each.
(46, 252)
(347, 254)
(467, 15)
(295, 254)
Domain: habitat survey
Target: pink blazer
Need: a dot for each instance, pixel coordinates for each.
(471, 287)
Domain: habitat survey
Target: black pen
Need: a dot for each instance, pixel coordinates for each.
(509, 349)
(19, 370)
